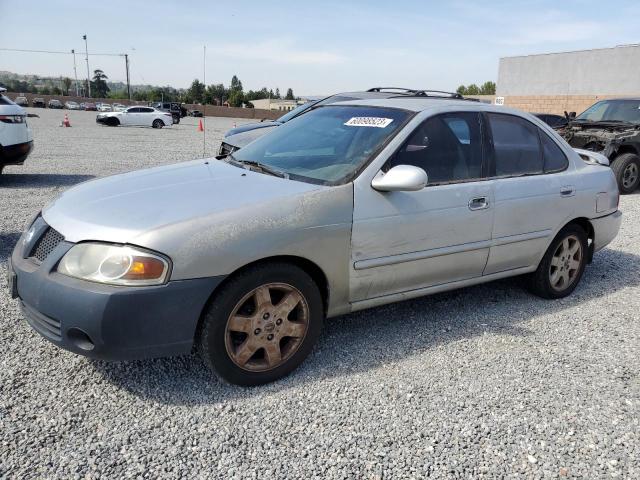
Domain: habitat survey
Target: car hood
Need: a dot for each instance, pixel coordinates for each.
(123, 208)
(252, 126)
(240, 140)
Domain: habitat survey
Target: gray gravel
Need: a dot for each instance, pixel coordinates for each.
(483, 382)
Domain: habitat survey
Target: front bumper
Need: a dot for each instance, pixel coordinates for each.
(103, 321)
(15, 154)
(605, 229)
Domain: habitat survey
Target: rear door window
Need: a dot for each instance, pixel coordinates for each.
(516, 146)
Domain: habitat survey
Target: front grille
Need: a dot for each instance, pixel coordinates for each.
(45, 326)
(46, 244)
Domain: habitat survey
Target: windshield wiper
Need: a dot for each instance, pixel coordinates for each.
(260, 166)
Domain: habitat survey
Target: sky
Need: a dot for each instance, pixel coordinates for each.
(315, 48)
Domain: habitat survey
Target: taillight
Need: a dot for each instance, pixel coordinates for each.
(168, 115)
(12, 118)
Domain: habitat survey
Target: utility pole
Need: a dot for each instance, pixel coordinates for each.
(126, 64)
(75, 72)
(86, 50)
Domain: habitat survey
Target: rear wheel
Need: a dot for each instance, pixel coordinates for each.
(626, 168)
(563, 264)
(262, 324)
(157, 123)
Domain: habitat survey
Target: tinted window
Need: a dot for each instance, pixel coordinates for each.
(554, 158)
(326, 145)
(516, 146)
(448, 147)
(146, 110)
(134, 110)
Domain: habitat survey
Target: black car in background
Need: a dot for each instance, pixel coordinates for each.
(176, 109)
(195, 113)
(53, 103)
(238, 137)
(553, 120)
(38, 103)
(611, 127)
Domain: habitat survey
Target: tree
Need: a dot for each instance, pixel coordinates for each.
(236, 85)
(66, 82)
(236, 98)
(99, 87)
(473, 90)
(215, 92)
(195, 93)
(488, 88)
(289, 95)
(278, 93)
(462, 90)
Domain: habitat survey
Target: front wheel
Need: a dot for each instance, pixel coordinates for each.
(626, 168)
(262, 324)
(563, 264)
(157, 124)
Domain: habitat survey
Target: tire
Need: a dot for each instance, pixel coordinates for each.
(113, 122)
(241, 319)
(157, 123)
(563, 264)
(626, 168)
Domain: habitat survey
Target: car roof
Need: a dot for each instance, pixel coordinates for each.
(419, 104)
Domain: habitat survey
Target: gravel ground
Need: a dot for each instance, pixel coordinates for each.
(484, 382)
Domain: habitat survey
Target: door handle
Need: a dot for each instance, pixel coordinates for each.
(567, 191)
(478, 203)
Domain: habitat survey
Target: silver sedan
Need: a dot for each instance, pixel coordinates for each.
(348, 206)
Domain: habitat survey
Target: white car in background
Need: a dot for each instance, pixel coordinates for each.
(105, 107)
(16, 140)
(118, 107)
(137, 116)
(72, 105)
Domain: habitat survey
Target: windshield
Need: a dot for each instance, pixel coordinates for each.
(326, 145)
(612, 110)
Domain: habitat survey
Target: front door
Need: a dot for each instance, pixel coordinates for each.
(409, 240)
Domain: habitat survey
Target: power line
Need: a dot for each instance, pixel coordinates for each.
(61, 53)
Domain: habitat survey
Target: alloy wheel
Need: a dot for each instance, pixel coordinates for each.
(630, 175)
(566, 263)
(266, 327)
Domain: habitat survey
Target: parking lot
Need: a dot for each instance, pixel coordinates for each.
(484, 382)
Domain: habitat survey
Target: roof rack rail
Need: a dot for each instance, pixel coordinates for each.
(439, 93)
(380, 89)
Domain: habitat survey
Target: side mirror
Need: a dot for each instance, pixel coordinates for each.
(402, 178)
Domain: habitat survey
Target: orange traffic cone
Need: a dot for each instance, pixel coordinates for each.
(66, 121)
(200, 127)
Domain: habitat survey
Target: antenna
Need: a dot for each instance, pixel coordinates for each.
(204, 106)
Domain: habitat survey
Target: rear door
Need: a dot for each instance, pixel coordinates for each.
(534, 191)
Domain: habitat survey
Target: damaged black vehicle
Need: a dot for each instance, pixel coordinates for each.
(612, 128)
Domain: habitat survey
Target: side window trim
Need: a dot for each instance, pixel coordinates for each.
(544, 162)
(483, 166)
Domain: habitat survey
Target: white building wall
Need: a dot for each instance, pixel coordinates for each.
(606, 71)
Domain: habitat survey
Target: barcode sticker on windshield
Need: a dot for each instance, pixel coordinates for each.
(377, 122)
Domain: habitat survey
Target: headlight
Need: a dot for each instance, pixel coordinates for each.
(114, 264)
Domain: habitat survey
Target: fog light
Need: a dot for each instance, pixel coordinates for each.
(80, 339)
